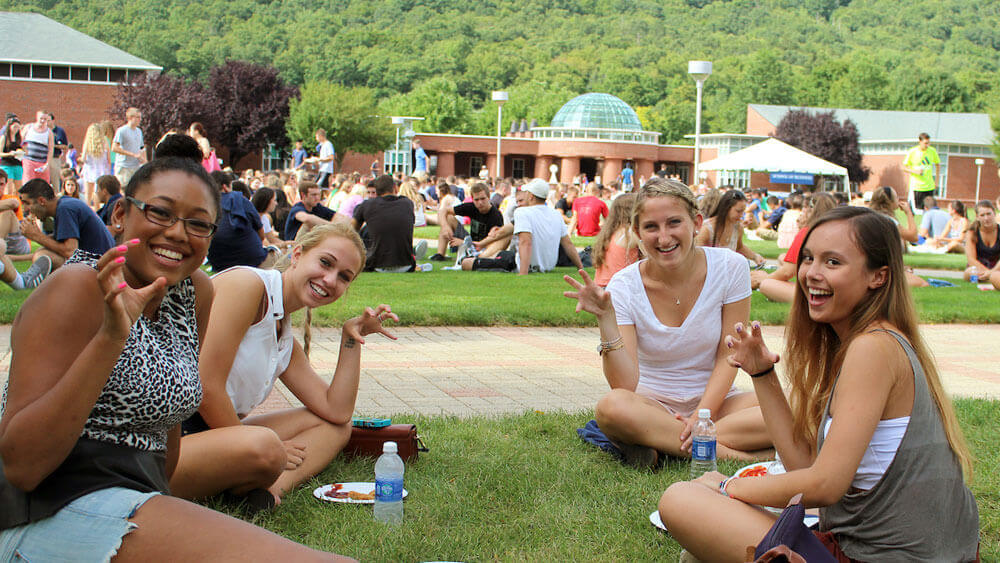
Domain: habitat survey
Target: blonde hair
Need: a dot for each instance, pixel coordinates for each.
(815, 353)
(663, 187)
(94, 142)
(308, 240)
(884, 200)
(107, 128)
(409, 190)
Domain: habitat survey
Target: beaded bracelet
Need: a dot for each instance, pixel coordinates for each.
(606, 347)
(723, 484)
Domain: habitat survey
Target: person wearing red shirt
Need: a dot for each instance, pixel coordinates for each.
(588, 212)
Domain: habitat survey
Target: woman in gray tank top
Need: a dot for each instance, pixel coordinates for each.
(856, 366)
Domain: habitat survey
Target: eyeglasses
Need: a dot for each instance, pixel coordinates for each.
(164, 218)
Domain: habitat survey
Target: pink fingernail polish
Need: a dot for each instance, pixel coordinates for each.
(122, 248)
(120, 260)
(134, 241)
(122, 285)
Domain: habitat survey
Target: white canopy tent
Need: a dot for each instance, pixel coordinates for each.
(773, 155)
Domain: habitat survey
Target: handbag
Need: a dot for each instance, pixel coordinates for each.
(789, 531)
(368, 441)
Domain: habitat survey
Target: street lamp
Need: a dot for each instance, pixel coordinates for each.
(979, 173)
(499, 96)
(700, 71)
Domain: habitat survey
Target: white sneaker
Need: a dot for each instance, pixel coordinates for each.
(420, 250)
(36, 272)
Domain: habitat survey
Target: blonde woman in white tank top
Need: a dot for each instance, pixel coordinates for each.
(247, 346)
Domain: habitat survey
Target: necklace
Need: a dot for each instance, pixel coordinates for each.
(678, 301)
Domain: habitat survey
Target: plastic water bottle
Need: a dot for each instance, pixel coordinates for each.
(389, 485)
(703, 445)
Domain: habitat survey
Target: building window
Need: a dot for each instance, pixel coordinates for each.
(60, 73)
(79, 74)
(40, 72)
(517, 167)
(272, 159)
(475, 163)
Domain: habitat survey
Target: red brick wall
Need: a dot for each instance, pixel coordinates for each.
(757, 125)
(75, 105)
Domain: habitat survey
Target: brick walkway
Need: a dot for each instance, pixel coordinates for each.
(469, 371)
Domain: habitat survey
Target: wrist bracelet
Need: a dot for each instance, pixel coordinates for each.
(606, 347)
(763, 373)
(723, 484)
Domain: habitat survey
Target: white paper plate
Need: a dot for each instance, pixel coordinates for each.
(357, 486)
(654, 518)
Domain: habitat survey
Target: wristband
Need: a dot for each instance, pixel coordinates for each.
(606, 347)
(723, 484)
(768, 371)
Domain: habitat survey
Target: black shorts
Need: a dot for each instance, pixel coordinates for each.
(504, 262)
(194, 425)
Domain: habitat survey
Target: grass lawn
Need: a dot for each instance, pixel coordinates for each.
(431, 232)
(525, 488)
(440, 298)
(769, 249)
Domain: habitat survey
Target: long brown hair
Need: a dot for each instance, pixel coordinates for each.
(620, 217)
(721, 214)
(815, 353)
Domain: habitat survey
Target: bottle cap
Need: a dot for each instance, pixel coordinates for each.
(704, 413)
(389, 447)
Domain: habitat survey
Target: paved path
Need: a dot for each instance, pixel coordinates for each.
(471, 371)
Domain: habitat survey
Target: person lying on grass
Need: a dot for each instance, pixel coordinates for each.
(90, 430)
(249, 345)
(662, 338)
(869, 436)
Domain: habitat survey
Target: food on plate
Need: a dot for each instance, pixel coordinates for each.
(753, 471)
(335, 492)
(354, 495)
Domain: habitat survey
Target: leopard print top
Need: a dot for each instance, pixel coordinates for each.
(154, 385)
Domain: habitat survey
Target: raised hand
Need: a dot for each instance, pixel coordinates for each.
(589, 296)
(370, 322)
(122, 303)
(748, 350)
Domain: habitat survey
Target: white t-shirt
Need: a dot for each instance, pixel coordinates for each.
(677, 362)
(265, 220)
(546, 227)
(326, 150)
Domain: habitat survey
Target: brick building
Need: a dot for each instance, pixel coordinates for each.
(45, 65)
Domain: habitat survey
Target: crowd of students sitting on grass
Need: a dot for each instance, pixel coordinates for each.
(149, 397)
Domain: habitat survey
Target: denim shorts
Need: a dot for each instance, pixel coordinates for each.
(90, 528)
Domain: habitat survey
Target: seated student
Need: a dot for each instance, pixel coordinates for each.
(588, 212)
(76, 224)
(952, 237)
(771, 220)
(886, 202)
(388, 222)
(239, 238)
(776, 285)
(12, 242)
(789, 224)
(934, 221)
(982, 245)
(109, 191)
(90, 425)
(869, 436)
(484, 219)
(265, 201)
(616, 246)
(724, 226)
(538, 232)
(446, 201)
(308, 212)
(248, 346)
(663, 323)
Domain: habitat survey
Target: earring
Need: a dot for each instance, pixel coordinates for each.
(118, 226)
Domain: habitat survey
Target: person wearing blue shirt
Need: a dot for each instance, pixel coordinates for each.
(419, 159)
(934, 220)
(308, 211)
(109, 191)
(299, 155)
(76, 224)
(238, 241)
(626, 176)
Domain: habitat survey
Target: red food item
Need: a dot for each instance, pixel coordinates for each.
(334, 492)
(758, 471)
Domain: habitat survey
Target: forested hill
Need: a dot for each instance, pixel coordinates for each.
(932, 55)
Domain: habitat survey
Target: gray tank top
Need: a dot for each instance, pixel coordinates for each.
(921, 509)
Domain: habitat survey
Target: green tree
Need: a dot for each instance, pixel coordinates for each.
(349, 116)
(437, 100)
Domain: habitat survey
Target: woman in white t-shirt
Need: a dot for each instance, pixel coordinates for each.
(249, 345)
(663, 324)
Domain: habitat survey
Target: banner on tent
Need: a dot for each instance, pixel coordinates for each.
(791, 178)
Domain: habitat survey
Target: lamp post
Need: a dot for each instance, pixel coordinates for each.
(499, 96)
(979, 174)
(700, 71)
(398, 122)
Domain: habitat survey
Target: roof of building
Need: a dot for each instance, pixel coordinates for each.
(878, 125)
(62, 45)
(600, 111)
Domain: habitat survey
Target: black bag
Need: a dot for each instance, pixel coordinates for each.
(791, 532)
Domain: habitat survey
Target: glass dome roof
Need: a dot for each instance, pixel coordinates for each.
(598, 111)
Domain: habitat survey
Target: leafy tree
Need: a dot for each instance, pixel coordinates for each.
(166, 103)
(820, 134)
(438, 102)
(247, 105)
(349, 116)
(919, 90)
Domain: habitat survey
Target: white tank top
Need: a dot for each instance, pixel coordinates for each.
(264, 352)
(880, 452)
